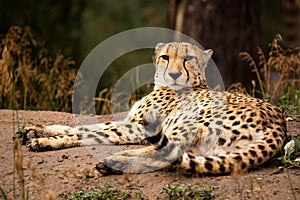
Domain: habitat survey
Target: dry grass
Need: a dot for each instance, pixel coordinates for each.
(283, 64)
(104, 102)
(278, 74)
(31, 77)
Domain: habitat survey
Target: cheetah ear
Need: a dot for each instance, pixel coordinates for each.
(207, 54)
(159, 45)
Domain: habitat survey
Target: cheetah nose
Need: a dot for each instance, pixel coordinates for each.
(175, 75)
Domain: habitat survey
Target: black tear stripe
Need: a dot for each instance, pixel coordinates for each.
(166, 69)
(187, 72)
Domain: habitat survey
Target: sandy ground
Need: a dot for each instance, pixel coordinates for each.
(66, 171)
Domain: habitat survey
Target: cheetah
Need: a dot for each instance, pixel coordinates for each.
(184, 124)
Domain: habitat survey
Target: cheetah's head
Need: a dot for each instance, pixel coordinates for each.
(180, 65)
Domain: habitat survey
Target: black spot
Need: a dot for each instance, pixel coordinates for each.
(229, 112)
(244, 165)
(265, 153)
(219, 122)
(193, 165)
(250, 137)
(208, 165)
(269, 141)
(236, 132)
(191, 156)
(218, 131)
(210, 131)
(261, 147)
(91, 136)
(232, 118)
(221, 141)
(244, 137)
(253, 114)
(209, 159)
(119, 133)
(206, 124)
(98, 140)
(222, 157)
(257, 130)
(226, 127)
(100, 133)
(107, 123)
(128, 126)
(253, 153)
(249, 120)
(238, 158)
(269, 108)
(264, 123)
(272, 146)
(236, 123)
(221, 168)
(251, 161)
(245, 126)
(259, 160)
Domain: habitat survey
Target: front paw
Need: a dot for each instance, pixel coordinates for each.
(28, 133)
(105, 170)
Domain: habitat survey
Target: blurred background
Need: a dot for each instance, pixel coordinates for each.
(49, 39)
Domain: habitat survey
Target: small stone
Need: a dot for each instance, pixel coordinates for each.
(41, 161)
(64, 156)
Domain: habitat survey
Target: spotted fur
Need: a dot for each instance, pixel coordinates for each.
(185, 124)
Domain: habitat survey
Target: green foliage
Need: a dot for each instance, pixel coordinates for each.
(180, 192)
(105, 192)
(188, 192)
(291, 157)
(31, 77)
(3, 194)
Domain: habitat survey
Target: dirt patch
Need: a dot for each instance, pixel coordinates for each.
(66, 171)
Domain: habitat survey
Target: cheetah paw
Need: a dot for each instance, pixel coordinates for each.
(105, 170)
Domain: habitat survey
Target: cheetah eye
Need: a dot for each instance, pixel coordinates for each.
(188, 58)
(165, 57)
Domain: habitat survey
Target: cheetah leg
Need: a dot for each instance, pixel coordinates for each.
(155, 157)
(42, 138)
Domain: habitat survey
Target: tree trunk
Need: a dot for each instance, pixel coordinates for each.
(226, 26)
(292, 22)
